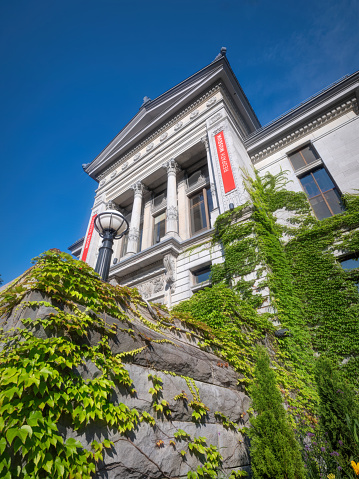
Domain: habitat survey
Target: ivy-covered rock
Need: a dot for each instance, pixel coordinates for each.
(94, 384)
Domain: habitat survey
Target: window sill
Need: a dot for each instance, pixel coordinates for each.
(199, 286)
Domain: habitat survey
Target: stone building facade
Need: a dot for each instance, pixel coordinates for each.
(179, 163)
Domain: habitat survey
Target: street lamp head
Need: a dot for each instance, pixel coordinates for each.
(111, 221)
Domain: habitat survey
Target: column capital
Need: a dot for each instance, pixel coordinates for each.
(138, 188)
(111, 205)
(171, 166)
(204, 140)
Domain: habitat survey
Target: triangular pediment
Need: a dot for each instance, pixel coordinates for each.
(156, 112)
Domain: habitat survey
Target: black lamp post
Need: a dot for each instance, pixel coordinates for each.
(110, 225)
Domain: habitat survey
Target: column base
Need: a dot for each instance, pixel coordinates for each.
(172, 234)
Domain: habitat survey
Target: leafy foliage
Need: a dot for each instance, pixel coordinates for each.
(275, 452)
(339, 411)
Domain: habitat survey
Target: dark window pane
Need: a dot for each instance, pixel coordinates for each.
(297, 161)
(351, 263)
(160, 228)
(320, 208)
(124, 245)
(323, 180)
(209, 200)
(198, 214)
(202, 275)
(334, 201)
(309, 154)
(309, 185)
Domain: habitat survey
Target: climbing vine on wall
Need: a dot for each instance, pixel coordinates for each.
(281, 260)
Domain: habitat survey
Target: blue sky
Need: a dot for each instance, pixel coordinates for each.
(74, 72)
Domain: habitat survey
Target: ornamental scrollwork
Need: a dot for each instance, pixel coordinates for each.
(171, 213)
(138, 188)
(171, 166)
(211, 102)
(133, 234)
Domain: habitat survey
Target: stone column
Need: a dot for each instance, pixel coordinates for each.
(134, 232)
(147, 225)
(183, 207)
(172, 211)
(215, 212)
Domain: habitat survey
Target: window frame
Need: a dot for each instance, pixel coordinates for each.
(202, 191)
(310, 169)
(195, 285)
(321, 192)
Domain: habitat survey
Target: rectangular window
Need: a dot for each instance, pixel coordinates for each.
(159, 228)
(351, 265)
(200, 207)
(322, 193)
(202, 275)
(303, 157)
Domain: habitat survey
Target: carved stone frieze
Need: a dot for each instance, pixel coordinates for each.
(151, 287)
(194, 114)
(178, 126)
(137, 157)
(113, 174)
(163, 136)
(171, 213)
(150, 147)
(124, 166)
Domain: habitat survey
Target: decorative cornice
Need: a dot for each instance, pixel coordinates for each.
(306, 128)
(161, 131)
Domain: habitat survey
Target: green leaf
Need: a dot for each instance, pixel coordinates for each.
(27, 429)
(34, 418)
(59, 467)
(48, 462)
(2, 445)
(11, 434)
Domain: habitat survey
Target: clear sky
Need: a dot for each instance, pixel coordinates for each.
(74, 72)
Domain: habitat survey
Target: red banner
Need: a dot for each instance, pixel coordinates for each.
(225, 164)
(88, 239)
